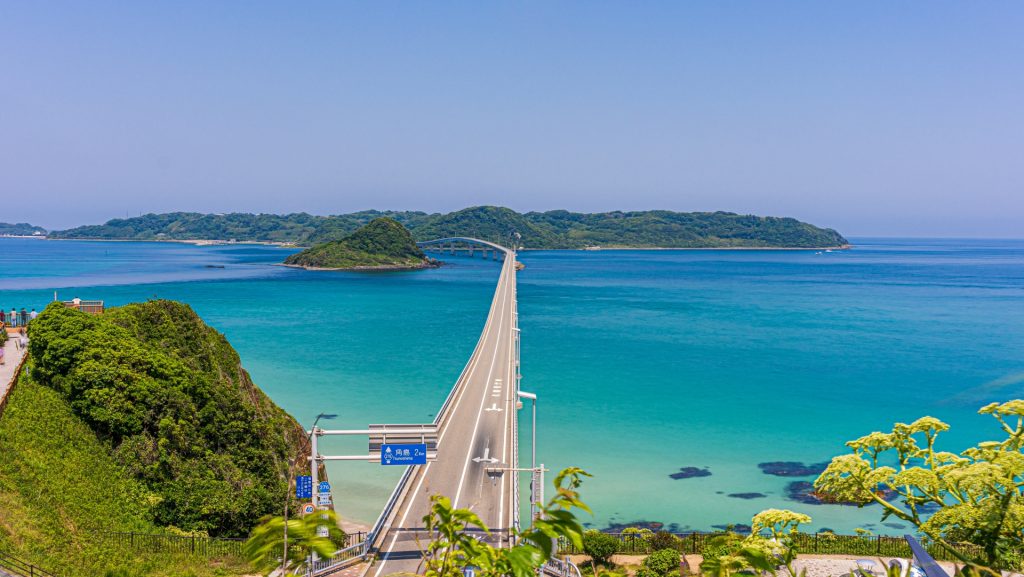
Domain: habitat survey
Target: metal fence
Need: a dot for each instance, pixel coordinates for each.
(198, 545)
(815, 543)
(19, 567)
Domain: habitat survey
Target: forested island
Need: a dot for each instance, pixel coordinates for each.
(557, 229)
(383, 244)
(21, 229)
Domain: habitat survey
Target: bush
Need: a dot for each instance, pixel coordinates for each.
(664, 540)
(662, 562)
(600, 546)
(721, 544)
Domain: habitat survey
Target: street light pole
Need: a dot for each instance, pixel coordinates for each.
(288, 495)
(533, 457)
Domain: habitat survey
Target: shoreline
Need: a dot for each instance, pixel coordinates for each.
(604, 248)
(284, 244)
(385, 267)
(195, 242)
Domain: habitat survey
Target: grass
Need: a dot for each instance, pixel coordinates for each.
(60, 490)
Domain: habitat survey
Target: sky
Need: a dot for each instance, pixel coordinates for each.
(873, 118)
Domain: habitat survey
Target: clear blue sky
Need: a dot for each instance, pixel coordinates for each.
(902, 118)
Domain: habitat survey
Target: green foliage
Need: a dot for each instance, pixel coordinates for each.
(641, 532)
(664, 540)
(553, 229)
(600, 546)
(978, 492)
(170, 399)
(20, 229)
(452, 548)
(730, 553)
(381, 243)
(59, 487)
(662, 562)
(266, 543)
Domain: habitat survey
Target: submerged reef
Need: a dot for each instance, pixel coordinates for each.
(690, 472)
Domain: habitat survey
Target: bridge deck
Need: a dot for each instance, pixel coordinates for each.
(477, 431)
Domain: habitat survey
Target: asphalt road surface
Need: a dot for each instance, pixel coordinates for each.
(477, 431)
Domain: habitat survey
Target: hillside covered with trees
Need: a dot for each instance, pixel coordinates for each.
(20, 229)
(168, 400)
(382, 244)
(557, 229)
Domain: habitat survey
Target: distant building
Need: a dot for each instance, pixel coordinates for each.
(91, 307)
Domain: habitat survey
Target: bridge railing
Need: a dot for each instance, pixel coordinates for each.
(560, 568)
(342, 558)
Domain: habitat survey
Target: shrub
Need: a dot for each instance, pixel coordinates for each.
(664, 540)
(662, 562)
(721, 544)
(600, 546)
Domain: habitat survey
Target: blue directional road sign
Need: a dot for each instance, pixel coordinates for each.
(403, 454)
(304, 487)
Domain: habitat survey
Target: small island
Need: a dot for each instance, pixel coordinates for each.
(382, 244)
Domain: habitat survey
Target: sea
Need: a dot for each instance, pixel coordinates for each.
(709, 365)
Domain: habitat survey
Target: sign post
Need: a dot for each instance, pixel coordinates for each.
(403, 454)
(304, 487)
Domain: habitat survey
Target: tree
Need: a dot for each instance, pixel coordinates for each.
(452, 548)
(600, 546)
(731, 553)
(662, 563)
(977, 494)
(263, 548)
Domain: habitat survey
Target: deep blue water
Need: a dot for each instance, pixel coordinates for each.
(644, 361)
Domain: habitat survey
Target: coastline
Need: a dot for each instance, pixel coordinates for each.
(383, 267)
(283, 244)
(603, 248)
(195, 242)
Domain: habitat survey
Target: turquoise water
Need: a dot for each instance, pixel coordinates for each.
(644, 361)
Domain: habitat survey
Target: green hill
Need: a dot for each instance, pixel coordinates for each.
(20, 229)
(382, 244)
(168, 399)
(62, 492)
(540, 230)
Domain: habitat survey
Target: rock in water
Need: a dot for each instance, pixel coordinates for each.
(791, 468)
(690, 472)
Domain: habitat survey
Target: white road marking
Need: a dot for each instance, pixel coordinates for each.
(487, 458)
(458, 401)
(480, 412)
(493, 407)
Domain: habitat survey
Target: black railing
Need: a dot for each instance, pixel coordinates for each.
(198, 545)
(19, 567)
(814, 543)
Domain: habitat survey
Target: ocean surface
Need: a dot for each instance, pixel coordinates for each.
(645, 362)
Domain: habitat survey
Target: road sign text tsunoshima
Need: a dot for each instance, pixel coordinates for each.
(403, 454)
(304, 487)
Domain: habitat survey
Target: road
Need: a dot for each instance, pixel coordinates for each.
(477, 431)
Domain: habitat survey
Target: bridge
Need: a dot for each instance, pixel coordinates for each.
(477, 440)
(477, 433)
